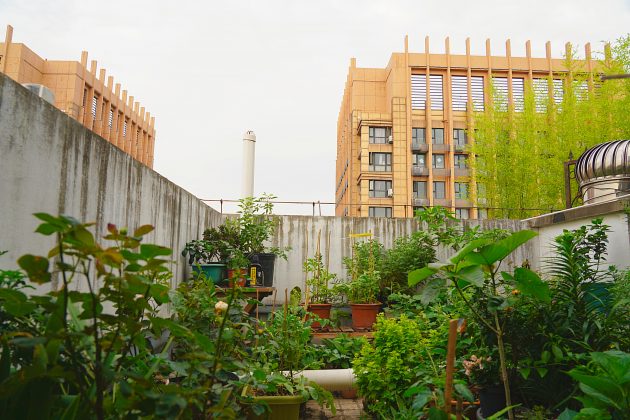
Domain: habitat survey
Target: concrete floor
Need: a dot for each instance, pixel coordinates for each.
(346, 409)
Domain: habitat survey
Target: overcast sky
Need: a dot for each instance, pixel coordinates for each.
(210, 70)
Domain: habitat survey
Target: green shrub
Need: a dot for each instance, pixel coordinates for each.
(393, 362)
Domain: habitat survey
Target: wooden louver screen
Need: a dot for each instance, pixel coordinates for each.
(459, 93)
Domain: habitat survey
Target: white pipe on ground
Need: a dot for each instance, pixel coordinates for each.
(249, 156)
(330, 379)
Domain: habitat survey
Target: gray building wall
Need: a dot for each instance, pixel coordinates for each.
(50, 163)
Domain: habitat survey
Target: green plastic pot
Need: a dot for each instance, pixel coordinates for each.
(283, 407)
(214, 271)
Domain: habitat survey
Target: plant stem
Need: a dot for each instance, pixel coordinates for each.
(504, 373)
(474, 311)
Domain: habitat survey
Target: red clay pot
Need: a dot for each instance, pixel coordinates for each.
(364, 314)
(322, 310)
(237, 272)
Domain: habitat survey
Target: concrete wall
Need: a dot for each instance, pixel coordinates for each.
(551, 225)
(51, 163)
(300, 233)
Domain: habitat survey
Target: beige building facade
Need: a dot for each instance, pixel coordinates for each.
(86, 94)
(403, 131)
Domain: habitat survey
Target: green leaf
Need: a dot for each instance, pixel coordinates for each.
(544, 356)
(437, 414)
(15, 302)
(497, 251)
(472, 274)
(47, 229)
(84, 236)
(71, 411)
(36, 268)
(464, 392)
(542, 371)
(530, 284)
(149, 251)
(416, 276)
(471, 246)
(143, 230)
(525, 372)
(600, 388)
(431, 290)
(567, 414)
(557, 352)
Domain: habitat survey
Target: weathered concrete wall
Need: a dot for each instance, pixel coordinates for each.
(300, 233)
(613, 213)
(50, 163)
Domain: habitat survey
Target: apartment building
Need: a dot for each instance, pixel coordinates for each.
(403, 131)
(84, 94)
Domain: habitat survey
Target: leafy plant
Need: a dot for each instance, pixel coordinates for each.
(476, 265)
(605, 384)
(318, 280)
(339, 352)
(407, 254)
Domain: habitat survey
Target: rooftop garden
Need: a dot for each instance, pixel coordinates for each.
(478, 334)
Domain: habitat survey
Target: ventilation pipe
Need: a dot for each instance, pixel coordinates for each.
(249, 156)
(603, 172)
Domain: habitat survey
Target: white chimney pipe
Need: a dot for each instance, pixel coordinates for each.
(249, 156)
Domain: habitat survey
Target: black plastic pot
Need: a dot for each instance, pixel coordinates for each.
(491, 399)
(267, 262)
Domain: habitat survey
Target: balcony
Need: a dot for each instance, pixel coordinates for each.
(444, 202)
(420, 202)
(419, 171)
(419, 147)
(460, 147)
(441, 172)
(462, 172)
(463, 202)
(437, 148)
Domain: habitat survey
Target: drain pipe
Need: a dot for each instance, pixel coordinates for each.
(330, 379)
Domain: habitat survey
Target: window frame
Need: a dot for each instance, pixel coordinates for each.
(372, 137)
(434, 157)
(415, 189)
(372, 210)
(457, 157)
(372, 191)
(458, 193)
(443, 184)
(457, 135)
(388, 162)
(433, 136)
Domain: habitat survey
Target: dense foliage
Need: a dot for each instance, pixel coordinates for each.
(520, 155)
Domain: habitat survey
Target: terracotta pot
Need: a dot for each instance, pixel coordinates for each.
(364, 314)
(241, 281)
(322, 310)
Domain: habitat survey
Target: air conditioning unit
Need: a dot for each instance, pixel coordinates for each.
(41, 91)
(390, 192)
(390, 139)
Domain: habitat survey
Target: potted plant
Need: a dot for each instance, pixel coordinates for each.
(483, 374)
(364, 286)
(276, 383)
(203, 258)
(319, 294)
(256, 227)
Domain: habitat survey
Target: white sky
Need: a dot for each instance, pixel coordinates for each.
(209, 70)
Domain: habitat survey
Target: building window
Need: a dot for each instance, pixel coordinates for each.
(419, 189)
(476, 90)
(438, 161)
(125, 129)
(462, 214)
(94, 103)
(419, 91)
(482, 213)
(439, 190)
(380, 212)
(380, 162)
(459, 137)
(461, 190)
(460, 162)
(459, 93)
(437, 135)
(418, 136)
(111, 118)
(380, 188)
(420, 160)
(380, 135)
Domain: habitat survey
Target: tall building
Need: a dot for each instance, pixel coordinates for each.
(88, 97)
(403, 130)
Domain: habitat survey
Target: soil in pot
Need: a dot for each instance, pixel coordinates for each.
(322, 310)
(364, 314)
